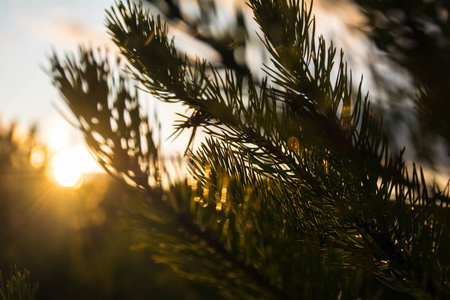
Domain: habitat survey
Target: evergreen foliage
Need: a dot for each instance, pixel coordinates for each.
(18, 286)
(296, 193)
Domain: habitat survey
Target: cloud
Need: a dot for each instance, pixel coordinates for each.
(60, 29)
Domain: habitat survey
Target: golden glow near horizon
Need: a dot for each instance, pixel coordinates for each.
(67, 167)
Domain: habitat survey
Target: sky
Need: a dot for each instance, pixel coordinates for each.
(31, 30)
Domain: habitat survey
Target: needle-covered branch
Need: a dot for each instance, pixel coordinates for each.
(296, 189)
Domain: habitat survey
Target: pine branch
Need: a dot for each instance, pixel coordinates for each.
(224, 44)
(290, 55)
(100, 99)
(298, 165)
(304, 69)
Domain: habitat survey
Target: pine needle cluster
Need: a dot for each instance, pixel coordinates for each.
(18, 286)
(295, 192)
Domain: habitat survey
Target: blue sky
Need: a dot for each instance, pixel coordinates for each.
(29, 32)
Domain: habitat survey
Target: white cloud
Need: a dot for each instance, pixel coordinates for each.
(61, 29)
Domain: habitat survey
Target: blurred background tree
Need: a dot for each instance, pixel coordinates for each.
(18, 150)
(74, 240)
(415, 36)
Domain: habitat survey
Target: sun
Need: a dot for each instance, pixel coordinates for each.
(67, 167)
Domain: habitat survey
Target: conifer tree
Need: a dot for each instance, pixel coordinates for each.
(295, 191)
